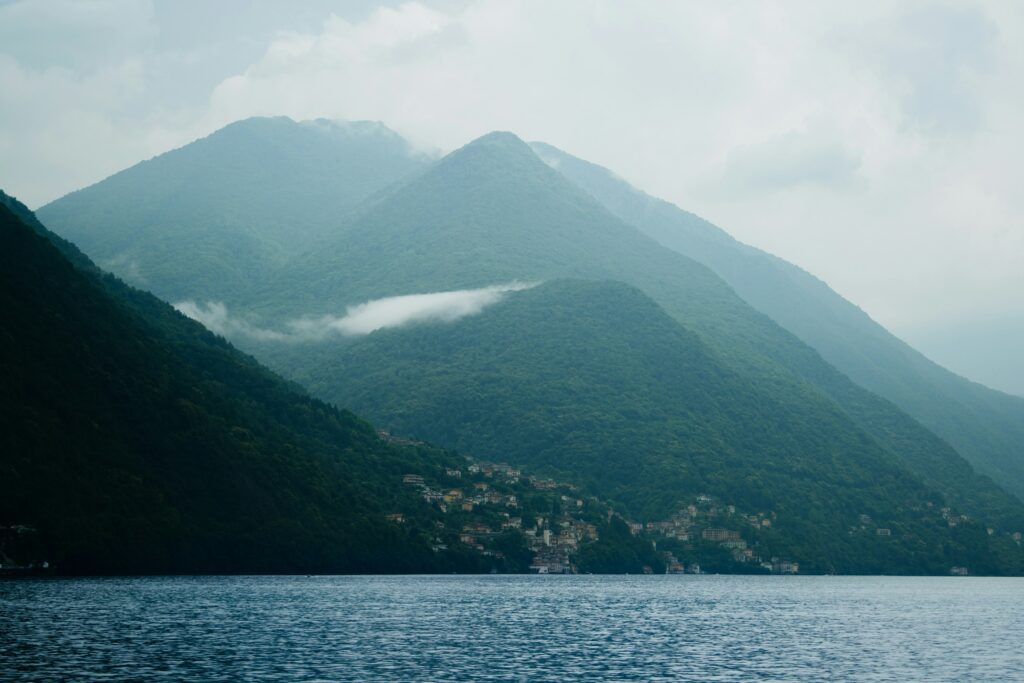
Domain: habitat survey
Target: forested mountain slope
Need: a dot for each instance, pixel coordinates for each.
(493, 212)
(593, 382)
(136, 441)
(985, 426)
(216, 215)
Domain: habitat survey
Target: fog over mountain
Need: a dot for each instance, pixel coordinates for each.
(359, 319)
(874, 145)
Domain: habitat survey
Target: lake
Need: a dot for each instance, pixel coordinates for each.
(514, 628)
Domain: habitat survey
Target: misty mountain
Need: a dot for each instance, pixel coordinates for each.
(136, 441)
(215, 216)
(985, 426)
(493, 212)
(594, 382)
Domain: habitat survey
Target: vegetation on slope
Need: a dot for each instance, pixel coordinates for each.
(593, 382)
(985, 426)
(216, 216)
(135, 441)
(493, 211)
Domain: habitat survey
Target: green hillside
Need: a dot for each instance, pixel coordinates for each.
(134, 441)
(213, 217)
(593, 382)
(985, 426)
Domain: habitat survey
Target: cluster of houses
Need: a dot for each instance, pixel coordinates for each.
(553, 541)
(673, 565)
(698, 520)
(474, 534)
(552, 560)
(494, 470)
(467, 499)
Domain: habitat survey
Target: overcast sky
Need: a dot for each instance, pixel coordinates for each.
(877, 144)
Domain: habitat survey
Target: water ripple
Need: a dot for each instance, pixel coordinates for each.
(528, 628)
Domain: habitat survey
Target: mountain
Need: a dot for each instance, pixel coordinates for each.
(594, 382)
(215, 216)
(493, 212)
(134, 441)
(985, 426)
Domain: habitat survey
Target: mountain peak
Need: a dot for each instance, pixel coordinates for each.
(269, 187)
(351, 129)
(273, 127)
(500, 142)
(498, 157)
(498, 137)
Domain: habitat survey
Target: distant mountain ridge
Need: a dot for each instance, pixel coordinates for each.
(493, 212)
(163, 224)
(985, 426)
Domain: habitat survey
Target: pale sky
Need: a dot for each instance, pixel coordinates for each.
(879, 145)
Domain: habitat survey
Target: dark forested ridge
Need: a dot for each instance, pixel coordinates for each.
(136, 441)
(985, 426)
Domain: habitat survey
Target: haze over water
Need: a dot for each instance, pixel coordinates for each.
(511, 628)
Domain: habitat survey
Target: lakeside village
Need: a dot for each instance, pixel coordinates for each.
(563, 532)
(484, 501)
(516, 523)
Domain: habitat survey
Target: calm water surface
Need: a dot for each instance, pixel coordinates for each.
(525, 628)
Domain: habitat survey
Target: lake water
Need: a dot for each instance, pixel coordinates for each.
(514, 628)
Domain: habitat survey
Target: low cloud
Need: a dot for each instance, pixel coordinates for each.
(361, 319)
(397, 311)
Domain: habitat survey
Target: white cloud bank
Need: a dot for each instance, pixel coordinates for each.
(364, 318)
